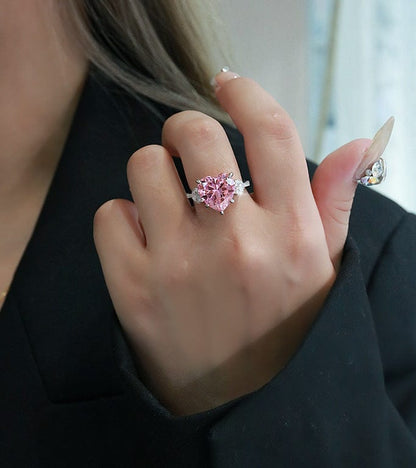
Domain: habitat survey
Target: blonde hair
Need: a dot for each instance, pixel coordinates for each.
(161, 49)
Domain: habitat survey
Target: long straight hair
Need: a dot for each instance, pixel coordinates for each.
(161, 49)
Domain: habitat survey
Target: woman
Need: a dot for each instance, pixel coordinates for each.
(279, 334)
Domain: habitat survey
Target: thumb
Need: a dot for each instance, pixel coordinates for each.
(335, 181)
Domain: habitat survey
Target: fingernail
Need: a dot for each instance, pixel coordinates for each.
(220, 78)
(372, 169)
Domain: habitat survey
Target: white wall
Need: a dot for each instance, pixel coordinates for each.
(271, 43)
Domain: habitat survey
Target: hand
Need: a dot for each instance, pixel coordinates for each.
(214, 306)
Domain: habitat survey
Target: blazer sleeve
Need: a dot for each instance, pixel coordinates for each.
(347, 398)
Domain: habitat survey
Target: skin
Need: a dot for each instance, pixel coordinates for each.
(267, 265)
(41, 78)
(215, 306)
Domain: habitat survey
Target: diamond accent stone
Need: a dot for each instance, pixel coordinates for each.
(216, 192)
(239, 187)
(369, 180)
(378, 168)
(195, 196)
(364, 180)
(375, 175)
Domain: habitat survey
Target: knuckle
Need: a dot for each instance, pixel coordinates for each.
(340, 214)
(343, 206)
(174, 277)
(176, 120)
(102, 222)
(304, 247)
(254, 267)
(145, 158)
(246, 258)
(194, 125)
(201, 130)
(304, 250)
(299, 237)
(104, 213)
(276, 125)
(254, 260)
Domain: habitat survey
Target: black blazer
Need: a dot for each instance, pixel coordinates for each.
(69, 393)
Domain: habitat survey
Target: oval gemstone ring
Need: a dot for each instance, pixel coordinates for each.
(217, 192)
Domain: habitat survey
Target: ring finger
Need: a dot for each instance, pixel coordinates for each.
(203, 147)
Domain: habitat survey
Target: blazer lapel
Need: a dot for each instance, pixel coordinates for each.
(59, 286)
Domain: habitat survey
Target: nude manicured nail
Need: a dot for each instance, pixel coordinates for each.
(225, 75)
(376, 149)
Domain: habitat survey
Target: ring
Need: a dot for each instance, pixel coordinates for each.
(375, 175)
(217, 192)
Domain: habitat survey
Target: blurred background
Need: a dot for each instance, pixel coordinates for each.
(341, 68)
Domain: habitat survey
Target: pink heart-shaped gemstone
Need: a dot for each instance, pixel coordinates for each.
(216, 192)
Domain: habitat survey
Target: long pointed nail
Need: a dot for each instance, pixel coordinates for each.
(373, 154)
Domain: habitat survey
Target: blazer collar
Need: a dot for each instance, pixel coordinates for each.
(58, 286)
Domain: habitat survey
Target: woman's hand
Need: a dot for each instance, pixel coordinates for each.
(214, 306)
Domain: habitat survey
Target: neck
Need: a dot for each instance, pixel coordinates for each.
(41, 78)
